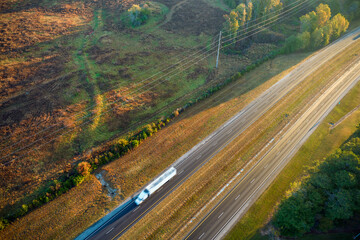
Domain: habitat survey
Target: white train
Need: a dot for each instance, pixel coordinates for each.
(155, 185)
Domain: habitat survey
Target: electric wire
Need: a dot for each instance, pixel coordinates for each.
(152, 87)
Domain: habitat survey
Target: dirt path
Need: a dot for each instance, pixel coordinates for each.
(91, 77)
(344, 117)
(174, 8)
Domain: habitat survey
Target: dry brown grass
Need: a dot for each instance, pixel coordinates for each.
(26, 28)
(70, 214)
(17, 75)
(24, 176)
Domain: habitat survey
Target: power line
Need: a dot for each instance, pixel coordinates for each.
(106, 111)
(270, 13)
(71, 128)
(90, 107)
(302, 2)
(80, 124)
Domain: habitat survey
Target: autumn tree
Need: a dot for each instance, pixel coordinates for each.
(328, 32)
(232, 23)
(249, 10)
(323, 13)
(241, 14)
(83, 168)
(321, 26)
(339, 25)
(239, 17)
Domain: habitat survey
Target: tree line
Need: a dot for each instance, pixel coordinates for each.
(246, 11)
(318, 29)
(329, 195)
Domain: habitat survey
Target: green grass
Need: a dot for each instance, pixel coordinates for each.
(321, 143)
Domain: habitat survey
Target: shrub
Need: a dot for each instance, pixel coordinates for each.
(77, 180)
(138, 15)
(134, 143)
(3, 223)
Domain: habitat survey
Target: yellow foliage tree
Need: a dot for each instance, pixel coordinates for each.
(83, 168)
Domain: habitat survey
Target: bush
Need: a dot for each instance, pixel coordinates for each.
(77, 180)
(134, 143)
(3, 223)
(138, 15)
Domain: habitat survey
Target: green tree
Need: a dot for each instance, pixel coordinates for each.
(134, 143)
(317, 38)
(3, 223)
(232, 23)
(241, 14)
(295, 216)
(341, 160)
(353, 145)
(340, 205)
(356, 199)
(266, 7)
(305, 38)
(328, 32)
(345, 179)
(230, 3)
(78, 180)
(292, 44)
(308, 22)
(321, 180)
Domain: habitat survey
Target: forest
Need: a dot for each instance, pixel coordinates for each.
(327, 196)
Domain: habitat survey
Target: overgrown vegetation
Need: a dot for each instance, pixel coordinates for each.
(329, 195)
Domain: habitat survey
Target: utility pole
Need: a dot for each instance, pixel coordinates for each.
(218, 51)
